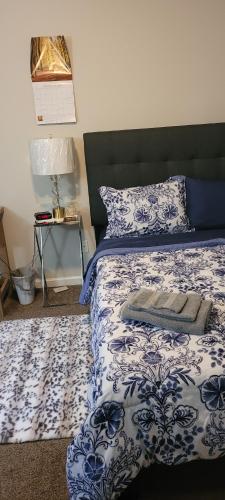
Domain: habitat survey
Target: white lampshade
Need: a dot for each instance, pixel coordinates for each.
(52, 156)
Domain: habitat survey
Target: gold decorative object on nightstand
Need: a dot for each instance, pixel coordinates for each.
(58, 214)
(71, 214)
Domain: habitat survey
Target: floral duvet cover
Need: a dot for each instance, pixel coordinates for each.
(156, 395)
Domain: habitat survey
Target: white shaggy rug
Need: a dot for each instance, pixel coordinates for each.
(44, 372)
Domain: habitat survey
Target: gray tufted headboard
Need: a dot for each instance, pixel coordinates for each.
(128, 158)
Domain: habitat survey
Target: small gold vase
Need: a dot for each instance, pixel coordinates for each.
(58, 213)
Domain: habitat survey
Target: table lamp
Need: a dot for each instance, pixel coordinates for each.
(53, 157)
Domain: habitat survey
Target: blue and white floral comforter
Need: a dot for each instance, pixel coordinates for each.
(156, 395)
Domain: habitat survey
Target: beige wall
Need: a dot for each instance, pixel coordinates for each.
(135, 64)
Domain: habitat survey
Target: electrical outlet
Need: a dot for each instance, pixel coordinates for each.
(85, 246)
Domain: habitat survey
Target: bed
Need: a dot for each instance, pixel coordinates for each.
(156, 395)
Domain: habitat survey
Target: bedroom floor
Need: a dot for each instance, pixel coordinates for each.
(36, 470)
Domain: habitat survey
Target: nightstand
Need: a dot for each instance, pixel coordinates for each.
(41, 234)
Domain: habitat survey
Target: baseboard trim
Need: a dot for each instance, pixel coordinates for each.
(64, 281)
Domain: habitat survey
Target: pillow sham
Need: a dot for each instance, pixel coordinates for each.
(157, 208)
(205, 200)
(181, 181)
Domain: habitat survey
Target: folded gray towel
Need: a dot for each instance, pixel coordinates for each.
(176, 306)
(196, 327)
(145, 299)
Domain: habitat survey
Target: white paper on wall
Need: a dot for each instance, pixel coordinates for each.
(54, 102)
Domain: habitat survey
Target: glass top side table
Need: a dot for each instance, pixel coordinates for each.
(41, 238)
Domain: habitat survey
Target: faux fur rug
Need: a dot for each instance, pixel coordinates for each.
(44, 372)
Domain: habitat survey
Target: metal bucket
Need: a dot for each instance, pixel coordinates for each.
(23, 279)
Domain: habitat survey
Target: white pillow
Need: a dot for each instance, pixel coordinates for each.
(157, 208)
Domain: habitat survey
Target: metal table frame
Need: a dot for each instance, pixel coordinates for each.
(38, 235)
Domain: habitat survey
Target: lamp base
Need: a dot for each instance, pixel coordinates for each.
(58, 214)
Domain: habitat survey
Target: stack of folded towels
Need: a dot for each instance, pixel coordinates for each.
(179, 312)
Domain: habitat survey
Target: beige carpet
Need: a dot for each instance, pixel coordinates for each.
(33, 471)
(14, 310)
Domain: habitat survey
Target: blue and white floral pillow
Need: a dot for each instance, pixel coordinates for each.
(157, 208)
(181, 180)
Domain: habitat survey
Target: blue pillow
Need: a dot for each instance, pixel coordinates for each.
(205, 202)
